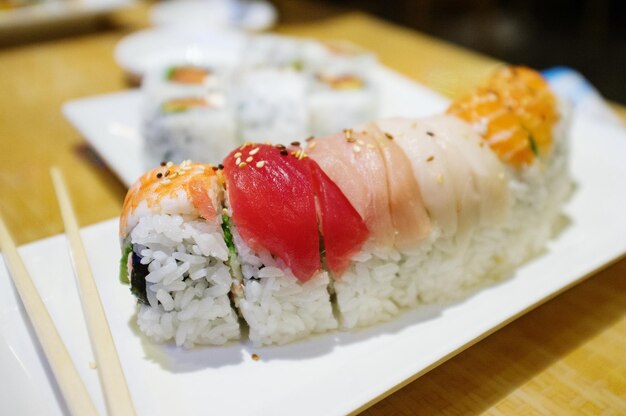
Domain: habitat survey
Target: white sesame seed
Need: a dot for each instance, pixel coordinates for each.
(254, 151)
(237, 161)
(260, 164)
(237, 155)
(356, 148)
(249, 159)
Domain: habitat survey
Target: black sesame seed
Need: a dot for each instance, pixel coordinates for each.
(159, 175)
(430, 133)
(220, 166)
(296, 143)
(163, 163)
(284, 152)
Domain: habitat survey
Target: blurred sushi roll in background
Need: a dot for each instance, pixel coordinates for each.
(343, 57)
(281, 52)
(183, 80)
(340, 101)
(282, 89)
(343, 93)
(272, 105)
(188, 113)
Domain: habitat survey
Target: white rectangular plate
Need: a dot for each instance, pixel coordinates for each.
(329, 374)
(112, 125)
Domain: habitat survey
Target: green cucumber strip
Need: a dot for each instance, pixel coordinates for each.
(228, 235)
(126, 250)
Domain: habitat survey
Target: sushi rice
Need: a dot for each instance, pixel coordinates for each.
(277, 307)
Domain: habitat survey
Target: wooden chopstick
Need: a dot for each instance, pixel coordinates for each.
(72, 387)
(116, 393)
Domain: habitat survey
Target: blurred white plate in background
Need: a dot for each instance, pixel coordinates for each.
(157, 47)
(255, 15)
(55, 11)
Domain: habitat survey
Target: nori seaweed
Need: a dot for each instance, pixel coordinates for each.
(138, 279)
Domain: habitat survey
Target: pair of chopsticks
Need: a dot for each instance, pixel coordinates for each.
(117, 395)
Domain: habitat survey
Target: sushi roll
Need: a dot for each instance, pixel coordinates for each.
(175, 256)
(350, 229)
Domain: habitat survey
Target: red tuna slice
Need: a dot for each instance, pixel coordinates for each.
(273, 205)
(343, 229)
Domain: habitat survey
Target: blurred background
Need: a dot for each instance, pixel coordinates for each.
(589, 35)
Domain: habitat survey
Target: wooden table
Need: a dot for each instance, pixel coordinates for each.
(567, 356)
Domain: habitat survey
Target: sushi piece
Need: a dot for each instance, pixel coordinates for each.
(526, 125)
(202, 127)
(187, 113)
(353, 161)
(283, 293)
(175, 256)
